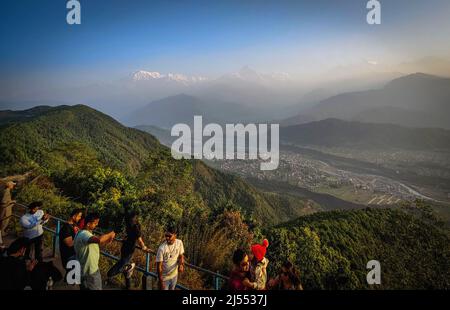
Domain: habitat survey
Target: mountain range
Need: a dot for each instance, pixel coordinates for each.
(181, 109)
(143, 75)
(416, 100)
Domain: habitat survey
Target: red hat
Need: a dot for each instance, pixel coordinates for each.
(259, 250)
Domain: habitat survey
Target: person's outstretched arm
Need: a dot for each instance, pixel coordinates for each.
(103, 239)
(142, 244)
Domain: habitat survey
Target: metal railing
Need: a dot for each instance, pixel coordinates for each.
(217, 277)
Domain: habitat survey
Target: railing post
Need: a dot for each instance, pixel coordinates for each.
(147, 281)
(147, 262)
(216, 282)
(56, 237)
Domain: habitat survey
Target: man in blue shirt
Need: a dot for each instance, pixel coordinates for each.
(32, 222)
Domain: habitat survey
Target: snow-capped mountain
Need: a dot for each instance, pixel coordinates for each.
(245, 74)
(249, 75)
(143, 75)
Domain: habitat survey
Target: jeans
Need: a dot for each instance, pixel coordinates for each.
(37, 244)
(92, 281)
(170, 284)
(119, 267)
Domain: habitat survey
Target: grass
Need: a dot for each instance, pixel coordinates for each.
(347, 193)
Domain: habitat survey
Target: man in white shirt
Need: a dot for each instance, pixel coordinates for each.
(32, 222)
(170, 260)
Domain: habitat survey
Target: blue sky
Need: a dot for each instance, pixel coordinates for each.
(210, 37)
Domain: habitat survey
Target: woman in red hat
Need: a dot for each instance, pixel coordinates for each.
(259, 264)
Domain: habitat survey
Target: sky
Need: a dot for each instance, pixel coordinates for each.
(209, 38)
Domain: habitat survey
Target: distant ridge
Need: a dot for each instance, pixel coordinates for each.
(338, 133)
(415, 100)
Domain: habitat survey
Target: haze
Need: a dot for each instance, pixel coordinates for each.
(311, 42)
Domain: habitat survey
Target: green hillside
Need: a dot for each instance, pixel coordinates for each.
(81, 157)
(28, 138)
(163, 135)
(70, 143)
(230, 192)
(332, 249)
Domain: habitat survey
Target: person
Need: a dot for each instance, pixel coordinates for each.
(32, 222)
(14, 269)
(87, 252)
(239, 279)
(6, 205)
(258, 266)
(80, 223)
(170, 260)
(288, 279)
(44, 275)
(133, 231)
(66, 236)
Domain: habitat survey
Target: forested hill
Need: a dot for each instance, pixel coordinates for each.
(333, 248)
(339, 133)
(29, 137)
(68, 143)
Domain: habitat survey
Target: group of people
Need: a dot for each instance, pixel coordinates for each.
(250, 271)
(77, 241)
(18, 271)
